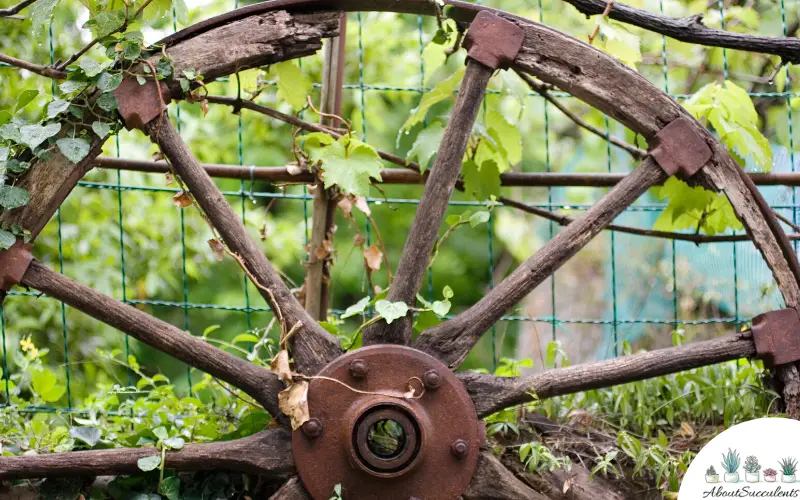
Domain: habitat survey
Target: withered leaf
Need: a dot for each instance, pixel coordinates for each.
(218, 248)
(373, 256)
(361, 204)
(293, 169)
(359, 240)
(182, 199)
(346, 205)
(280, 366)
(169, 178)
(293, 402)
(204, 107)
(262, 232)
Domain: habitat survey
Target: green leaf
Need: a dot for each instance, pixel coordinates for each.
(109, 81)
(349, 164)
(41, 14)
(427, 144)
(356, 308)
(174, 443)
(244, 337)
(506, 136)
(33, 135)
(107, 102)
(481, 182)
(56, 107)
(425, 320)
(101, 129)
(91, 67)
(5, 117)
(619, 42)
(45, 384)
(391, 311)
(163, 68)
(72, 86)
(147, 464)
(74, 149)
(479, 218)
(293, 85)
(447, 292)
(26, 97)
(3, 153)
(181, 11)
(441, 307)
(7, 239)
(105, 23)
(161, 433)
(13, 197)
(170, 487)
(442, 91)
(89, 435)
(689, 206)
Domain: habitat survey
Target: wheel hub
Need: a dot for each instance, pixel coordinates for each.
(371, 436)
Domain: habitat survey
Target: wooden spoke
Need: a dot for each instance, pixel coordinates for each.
(293, 489)
(267, 453)
(261, 384)
(313, 347)
(430, 213)
(452, 340)
(490, 393)
(493, 481)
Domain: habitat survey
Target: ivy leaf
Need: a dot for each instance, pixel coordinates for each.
(13, 197)
(107, 102)
(441, 307)
(356, 308)
(56, 107)
(442, 91)
(89, 435)
(146, 464)
(74, 149)
(7, 239)
(33, 135)
(3, 153)
(170, 487)
(101, 128)
(481, 182)
(479, 218)
(161, 433)
(105, 23)
(90, 67)
(41, 14)
(109, 81)
(293, 85)
(71, 86)
(349, 164)
(174, 443)
(25, 98)
(427, 144)
(45, 384)
(391, 311)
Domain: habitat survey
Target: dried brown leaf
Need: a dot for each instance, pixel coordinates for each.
(204, 107)
(345, 204)
(293, 169)
(320, 253)
(374, 257)
(361, 204)
(359, 240)
(182, 199)
(262, 232)
(169, 178)
(687, 430)
(157, 156)
(280, 366)
(293, 402)
(218, 248)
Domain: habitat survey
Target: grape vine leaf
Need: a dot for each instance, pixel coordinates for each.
(442, 91)
(481, 181)
(694, 208)
(619, 42)
(427, 144)
(74, 149)
(347, 163)
(293, 85)
(45, 383)
(506, 136)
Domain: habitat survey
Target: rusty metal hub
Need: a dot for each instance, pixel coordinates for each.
(369, 434)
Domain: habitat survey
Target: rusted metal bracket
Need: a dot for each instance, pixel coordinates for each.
(679, 149)
(13, 264)
(493, 41)
(775, 334)
(140, 104)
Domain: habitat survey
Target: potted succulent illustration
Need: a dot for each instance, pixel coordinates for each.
(711, 475)
(751, 469)
(770, 475)
(788, 468)
(730, 464)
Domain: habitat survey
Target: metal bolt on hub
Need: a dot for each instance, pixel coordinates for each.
(460, 448)
(312, 427)
(358, 368)
(432, 380)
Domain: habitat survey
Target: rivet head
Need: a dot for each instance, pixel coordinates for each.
(312, 427)
(432, 380)
(358, 368)
(460, 448)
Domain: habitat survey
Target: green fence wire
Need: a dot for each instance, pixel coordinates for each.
(247, 192)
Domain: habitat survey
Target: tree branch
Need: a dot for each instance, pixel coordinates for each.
(259, 383)
(491, 394)
(10, 11)
(39, 69)
(452, 340)
(691, 30)
(432, 206)
(313, 347)
(267, 453)
(493, 481)
(293, 489)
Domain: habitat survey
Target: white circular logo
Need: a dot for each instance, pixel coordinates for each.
(755, 459)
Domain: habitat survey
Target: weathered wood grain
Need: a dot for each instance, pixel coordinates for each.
(293, 489)
(452, 340)
(312, 346)
(490, 393)
(261, 384)
(267, 453)
(493, 481)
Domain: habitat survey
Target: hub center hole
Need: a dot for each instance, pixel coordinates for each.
(386, 438)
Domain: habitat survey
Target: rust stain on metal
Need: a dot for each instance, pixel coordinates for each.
(679, 149)
(775, 335)
(433, 441)
(13, 264)
(140, 104)
(493, 41)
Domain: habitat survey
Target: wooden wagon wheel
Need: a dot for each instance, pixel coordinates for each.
(285, 29)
